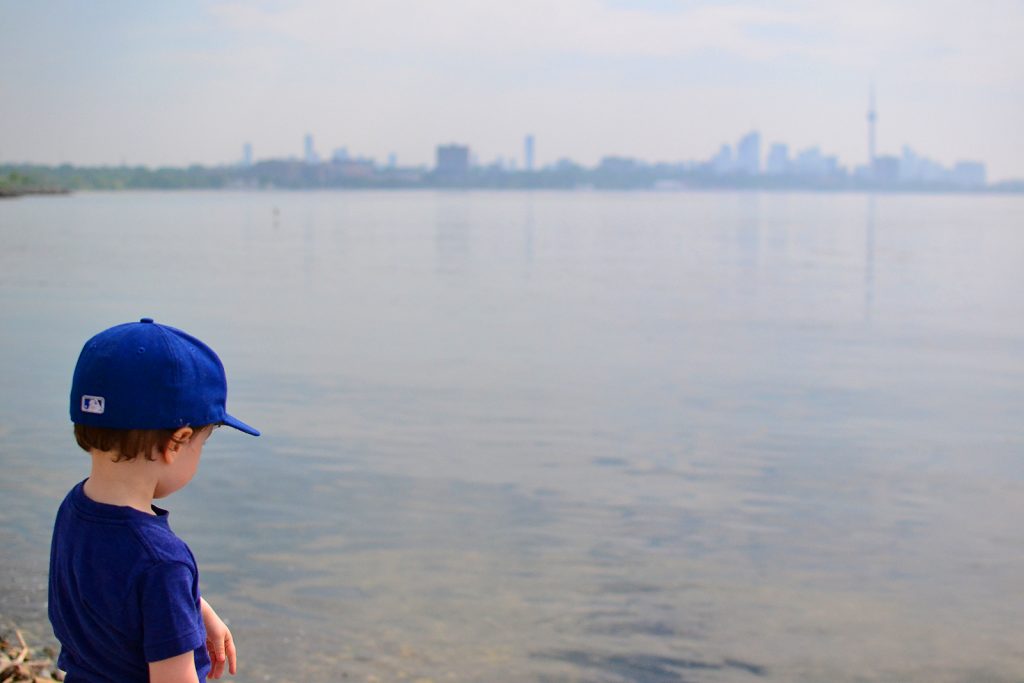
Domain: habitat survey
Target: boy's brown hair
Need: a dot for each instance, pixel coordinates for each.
(126, 444)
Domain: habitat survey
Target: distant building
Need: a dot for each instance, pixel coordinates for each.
(809, 162)
(452, 160)
(778, 160)
(310, 156)
(392, 160)
(357, 169)
(247, 154)
(617, 165)
(722, 162)
(862, 172)
(567, 166)
(886, 169)
(969, 174)
(528, 153)
(340, 155)
(812, 163)
(917, 169)
(911, 166)
(748, 154)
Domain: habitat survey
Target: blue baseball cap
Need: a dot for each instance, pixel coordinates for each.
(149, 376)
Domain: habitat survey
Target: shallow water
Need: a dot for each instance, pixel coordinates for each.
(560, 436)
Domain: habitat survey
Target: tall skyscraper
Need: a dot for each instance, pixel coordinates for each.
(748, 153)
(528, 153)
(247, 154)
(310, 154)
(871, 129)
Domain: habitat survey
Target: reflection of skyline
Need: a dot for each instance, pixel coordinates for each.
(748, 234)
(869, 257)
(529, 220)
(772, 252)
(451, 235)
(748, 246)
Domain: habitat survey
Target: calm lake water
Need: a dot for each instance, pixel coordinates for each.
(604, 437)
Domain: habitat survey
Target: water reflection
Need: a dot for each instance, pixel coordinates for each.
(529, 221)
(309, 246)
(748, 232)
(674, 451)
(452, 233)
(869, 256)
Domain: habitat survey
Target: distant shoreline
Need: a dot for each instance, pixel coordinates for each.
(15, 192)
(296, 175)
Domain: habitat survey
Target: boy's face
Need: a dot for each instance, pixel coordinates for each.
(179, 472)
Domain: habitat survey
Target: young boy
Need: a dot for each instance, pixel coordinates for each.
(124, 590)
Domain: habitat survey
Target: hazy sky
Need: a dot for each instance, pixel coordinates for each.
(95, 81)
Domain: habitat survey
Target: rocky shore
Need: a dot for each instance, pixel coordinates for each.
(20, 662)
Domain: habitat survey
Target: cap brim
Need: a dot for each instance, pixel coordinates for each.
(239, 425)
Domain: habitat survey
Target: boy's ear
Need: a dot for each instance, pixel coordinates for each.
(179, 438)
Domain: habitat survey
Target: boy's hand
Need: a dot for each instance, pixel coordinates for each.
(218, 642)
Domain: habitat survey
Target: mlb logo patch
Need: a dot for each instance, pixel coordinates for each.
(93, 404)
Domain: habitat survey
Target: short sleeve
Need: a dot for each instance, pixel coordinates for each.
(172, 623)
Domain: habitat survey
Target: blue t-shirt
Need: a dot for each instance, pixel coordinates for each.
(124, 591)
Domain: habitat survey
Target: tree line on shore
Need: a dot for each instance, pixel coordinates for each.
(18, 179)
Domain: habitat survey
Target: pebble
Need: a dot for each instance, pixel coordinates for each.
(17, 663)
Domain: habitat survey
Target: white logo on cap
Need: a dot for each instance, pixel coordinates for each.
(93, 404)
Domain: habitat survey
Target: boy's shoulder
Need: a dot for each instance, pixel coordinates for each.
(124, 534)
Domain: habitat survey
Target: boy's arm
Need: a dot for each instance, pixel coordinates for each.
(179, 669)
(219, 642)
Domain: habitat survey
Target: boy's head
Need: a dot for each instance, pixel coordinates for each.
(136, 384)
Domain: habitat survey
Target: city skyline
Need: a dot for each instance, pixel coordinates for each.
(747, 159)
(745, 167)
(189, 82)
